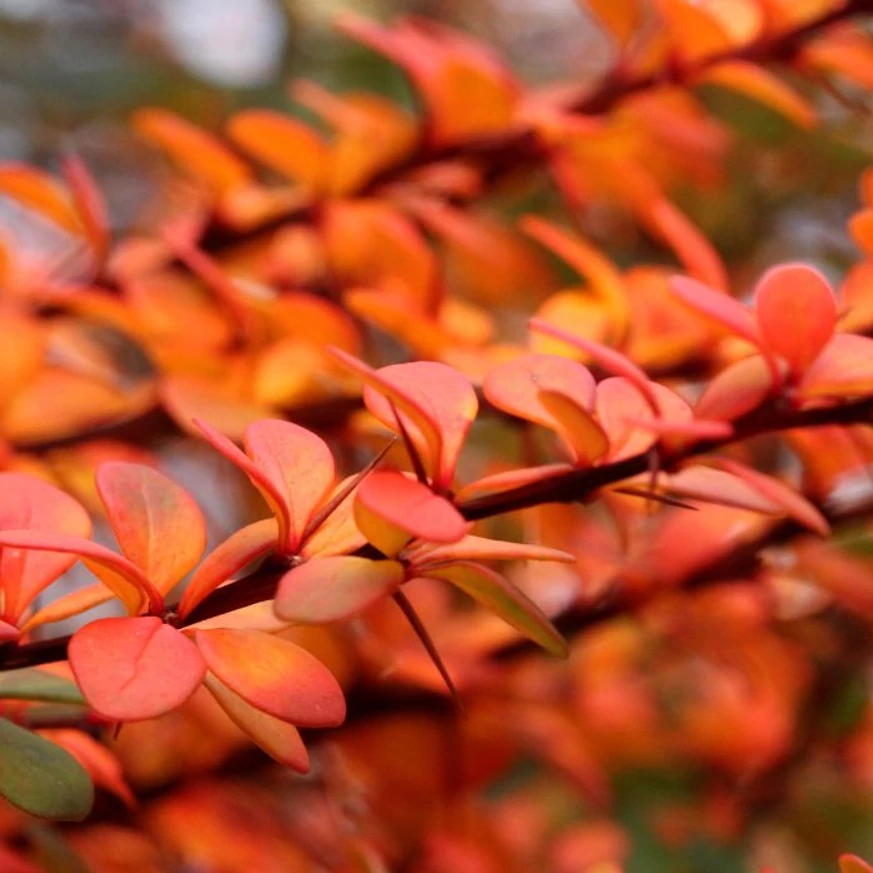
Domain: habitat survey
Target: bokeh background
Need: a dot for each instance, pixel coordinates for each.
(72, 70)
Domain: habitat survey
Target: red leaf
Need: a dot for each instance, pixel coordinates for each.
(795, 505)
(619, 406)
(334, 588)
(417, 418)
(89, 202)
(511, 479)
(436, 403)
(131, 669)
(716, 486)
(797, 313)
(719, 307)
(274, 675)
(854, 864)
(30, 503)
(391, 509)
(448, 399)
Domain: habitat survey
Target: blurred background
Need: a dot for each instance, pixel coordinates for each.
(71, 71)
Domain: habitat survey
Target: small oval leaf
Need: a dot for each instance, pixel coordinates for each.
(334, 588)
(274, 675)
(40, 777)
(130, 669)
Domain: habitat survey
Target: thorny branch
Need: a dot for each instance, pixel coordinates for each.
(571, 486)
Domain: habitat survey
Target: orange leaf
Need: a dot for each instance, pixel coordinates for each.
(620, 17)
(300, 466)
(844, 50)
(334, 588)
(158, 525)
(274, 675)
(694, 31)
(467, 90)
(281, 143)
(69, 605)
(604, 276)
(291, 467)
(844, 368)
(227, 559)
(371, 244)
(279, 739)
(578, 312)
(332, 530)
(198, 152)
(761, 85)
(425, 337)
(503, 599)
(391, 509)
(39, 191)
(121, 576)
(586, 438)
(665, 220)
(188, 398)
(130, 669)
(736, 390)
(854, 864)
(488, 262)
(102, 766)
(516, 387)
(473, 548)
(861, 229)
(797, 313)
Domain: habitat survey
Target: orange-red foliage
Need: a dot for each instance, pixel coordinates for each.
(332, 311)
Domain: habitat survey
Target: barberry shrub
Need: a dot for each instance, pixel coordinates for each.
(550, 538)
